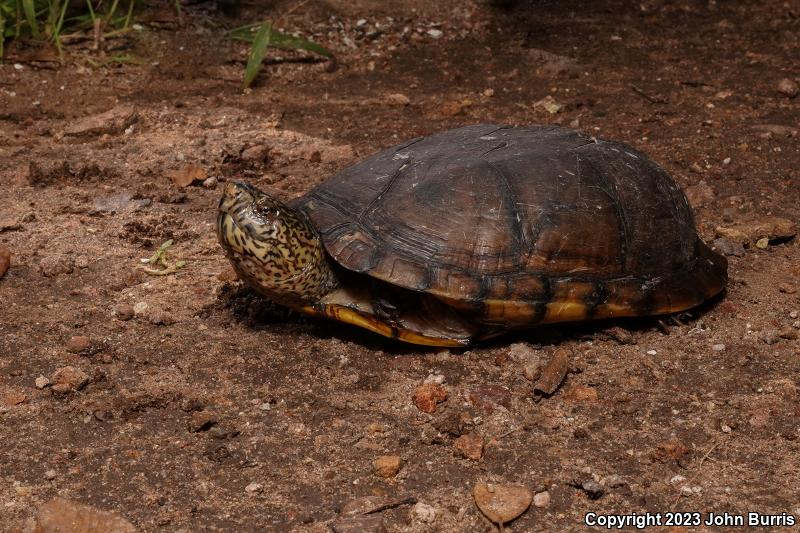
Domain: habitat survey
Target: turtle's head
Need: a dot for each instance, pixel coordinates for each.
(272, 246)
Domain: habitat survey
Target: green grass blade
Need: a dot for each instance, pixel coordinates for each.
(257, 53)
(30, 16)
(2, 35)
(278, 40)
(290, 42)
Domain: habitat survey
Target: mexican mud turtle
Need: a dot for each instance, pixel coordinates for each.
(463, 235)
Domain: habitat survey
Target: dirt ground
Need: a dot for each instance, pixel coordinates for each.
(185, 403)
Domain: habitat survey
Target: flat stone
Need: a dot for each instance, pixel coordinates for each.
(69, 379)
(501, 503)
(112, 122)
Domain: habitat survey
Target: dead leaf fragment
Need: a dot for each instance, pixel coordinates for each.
(187, 175)
(553, 374)
(502, 503)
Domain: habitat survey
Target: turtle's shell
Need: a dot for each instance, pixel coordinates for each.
(521, 225)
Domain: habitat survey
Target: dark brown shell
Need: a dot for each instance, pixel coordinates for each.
(520, 224)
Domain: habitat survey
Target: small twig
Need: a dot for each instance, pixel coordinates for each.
(392, 505)
(651, 99)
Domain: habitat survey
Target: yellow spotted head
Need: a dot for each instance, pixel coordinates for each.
(272, 247)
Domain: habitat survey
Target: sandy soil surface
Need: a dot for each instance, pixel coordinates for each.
(185, 403)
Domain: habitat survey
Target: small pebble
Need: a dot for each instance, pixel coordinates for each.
(424, 512)
(254, 488)
(727, 246)
(674, 480)
(398, 99)
(78, 344)
(613, 481)
(140, 307)
(786, 288)
(469, 446)
(718, 347)
(434, 33)
(593, 489)
(210, 183)
(387, 465)
(42, 382)
(50, 474)
(435, 378)
(541, 499)
(124, 312)
(375, 427)
(686, 490)
(257, 153)
(427, 395)
(651, 352)
(788, 88)
(793, 314)
(770, 337)
(788, 333)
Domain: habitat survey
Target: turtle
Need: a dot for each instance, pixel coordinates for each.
(464, 235)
